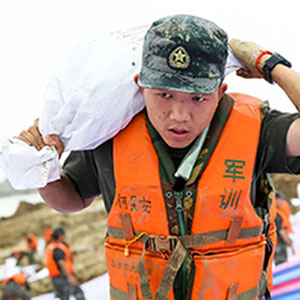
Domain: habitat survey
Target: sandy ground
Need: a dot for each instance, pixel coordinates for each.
(85, 234)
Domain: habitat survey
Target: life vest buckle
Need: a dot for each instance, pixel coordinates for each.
(162, 244)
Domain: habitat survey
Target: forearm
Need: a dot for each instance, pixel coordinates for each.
(62, 196)
(285, 237)
(289, 81)
(71, 277)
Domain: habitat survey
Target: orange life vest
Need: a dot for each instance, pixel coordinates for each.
(31, 241)
(19, 278)
(227, 240)
(285, 212)
(50, 262)
(47, 235)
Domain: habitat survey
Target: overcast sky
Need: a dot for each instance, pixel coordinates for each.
(36, 36)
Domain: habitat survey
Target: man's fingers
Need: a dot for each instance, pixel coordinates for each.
(32, 136)
(245, 73)
(36, 122)
(54, 140)
(34, 130)
(30, 139)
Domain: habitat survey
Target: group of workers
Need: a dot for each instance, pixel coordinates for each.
(58, 261)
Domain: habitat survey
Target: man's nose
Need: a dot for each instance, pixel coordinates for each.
(180, 112)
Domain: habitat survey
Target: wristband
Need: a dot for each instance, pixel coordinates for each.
(261, 54)
(270, 64)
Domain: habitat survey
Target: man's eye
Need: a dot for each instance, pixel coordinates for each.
(165, 95)
(198, 98)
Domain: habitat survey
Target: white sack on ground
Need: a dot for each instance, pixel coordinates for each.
(89, 100)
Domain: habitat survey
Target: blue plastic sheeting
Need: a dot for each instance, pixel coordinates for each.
(286, 275)
(294, 295)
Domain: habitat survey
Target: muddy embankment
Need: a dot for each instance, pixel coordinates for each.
(85, 234)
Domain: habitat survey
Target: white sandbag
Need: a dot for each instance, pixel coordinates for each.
(25, 166)
(93, 94)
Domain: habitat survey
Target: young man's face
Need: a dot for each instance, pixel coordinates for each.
(180, 117)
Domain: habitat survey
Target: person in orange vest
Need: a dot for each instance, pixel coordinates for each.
(60, 266)
(283, 228)
(16, 286)
(190, 206)
(47, 235)
(283, 208)
(31, 244)
(18, 254)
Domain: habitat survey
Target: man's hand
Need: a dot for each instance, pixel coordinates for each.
(71, 277)
(247, 53)
(293, 250)
(33, 137)
(73, 280)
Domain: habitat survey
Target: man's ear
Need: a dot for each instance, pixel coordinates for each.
(222, 89)
(135, 78)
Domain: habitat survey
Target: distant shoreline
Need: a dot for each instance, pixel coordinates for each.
(10, 203)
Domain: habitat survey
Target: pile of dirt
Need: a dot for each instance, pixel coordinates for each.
(85, 230)
(287, 184)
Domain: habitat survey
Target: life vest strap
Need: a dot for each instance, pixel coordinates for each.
(232, 292)
(131, 288)
(127, 226)
(117, 294)
(174, 263)
(194, 240)
(144, 281)
(234, 230)
(162, 244)
(247, 295)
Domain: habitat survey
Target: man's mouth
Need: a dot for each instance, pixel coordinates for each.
(178, 131)
(178, 134)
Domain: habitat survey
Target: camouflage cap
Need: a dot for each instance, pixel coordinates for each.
(184, 53)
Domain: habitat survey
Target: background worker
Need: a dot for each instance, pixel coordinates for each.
(16, 286)
(185, 169)
(18, 255)
(60, 266)
(47, 235)
(31, 244)
(283, 228)
(284, 210)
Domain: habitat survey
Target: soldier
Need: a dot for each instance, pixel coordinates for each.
(31, 245)
(283, 228)
(47, 235)
(185, 183)
(16, 286)
(60, 266)
(18, 254)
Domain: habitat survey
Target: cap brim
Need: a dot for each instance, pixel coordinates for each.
(154, 79)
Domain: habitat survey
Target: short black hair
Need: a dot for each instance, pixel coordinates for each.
(279, 194)
(58, 232)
